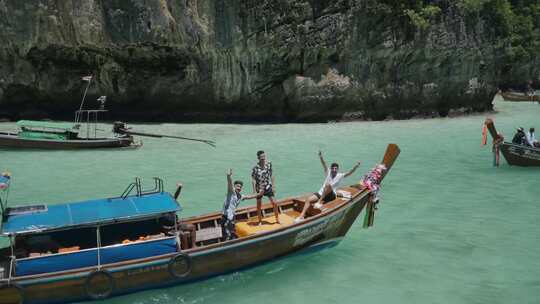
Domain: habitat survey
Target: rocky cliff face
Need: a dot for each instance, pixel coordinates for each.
(246, 59)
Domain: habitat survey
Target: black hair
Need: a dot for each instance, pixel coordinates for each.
(531, 129)
(334, 165)
(238, 182)
(259, 153)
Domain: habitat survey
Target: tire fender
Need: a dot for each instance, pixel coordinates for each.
(99, 285)
(180, 266)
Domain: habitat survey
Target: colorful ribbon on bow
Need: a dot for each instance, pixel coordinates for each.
(497, 150)
(372, 182)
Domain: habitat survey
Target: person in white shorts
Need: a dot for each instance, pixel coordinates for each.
(327, 192)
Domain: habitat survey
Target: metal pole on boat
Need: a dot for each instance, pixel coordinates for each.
(87, 124)
(2, 206)
(98, 248)
(85, 90)
(178, 240)
(12, 258)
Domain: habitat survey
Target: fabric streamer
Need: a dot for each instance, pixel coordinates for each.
(372, 182)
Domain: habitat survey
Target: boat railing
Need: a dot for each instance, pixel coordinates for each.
(90, 119)
(158, 188)
(9, 272)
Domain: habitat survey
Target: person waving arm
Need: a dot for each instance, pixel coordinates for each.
(323, 163)
(352, 169)
(230, 187)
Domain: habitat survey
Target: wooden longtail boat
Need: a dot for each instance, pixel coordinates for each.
(59, 135)
(517, 97)
(102, 248)
(515, 155)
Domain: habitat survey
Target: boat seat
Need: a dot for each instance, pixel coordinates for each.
(299, 205)
(208, 234)
(68, 249)
(269, 223)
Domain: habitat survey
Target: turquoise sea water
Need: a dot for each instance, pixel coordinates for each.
(451, 228)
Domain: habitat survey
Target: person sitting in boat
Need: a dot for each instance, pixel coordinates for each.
(519, 137)
(232, 200)
(531, 139)
(327, 192)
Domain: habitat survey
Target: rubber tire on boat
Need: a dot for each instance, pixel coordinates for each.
(99, 285)
(16, 292)
(180, 265)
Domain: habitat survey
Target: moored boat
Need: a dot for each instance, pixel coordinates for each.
(515, 155)
(59, 135)
(519, 97)
(102, 248)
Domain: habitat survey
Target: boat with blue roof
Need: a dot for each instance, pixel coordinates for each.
(101, 248)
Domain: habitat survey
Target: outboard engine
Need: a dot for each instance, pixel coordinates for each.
(119, 127)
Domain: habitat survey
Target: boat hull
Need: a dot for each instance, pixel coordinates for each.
(8, 140)
(159, 271)
(513, 97)
(518, 155)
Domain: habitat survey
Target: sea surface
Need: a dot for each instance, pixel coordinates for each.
(451, 228)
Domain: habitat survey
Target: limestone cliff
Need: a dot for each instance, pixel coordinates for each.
(176, 60)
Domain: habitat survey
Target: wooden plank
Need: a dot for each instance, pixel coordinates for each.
(208, 234)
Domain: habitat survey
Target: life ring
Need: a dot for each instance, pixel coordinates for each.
(99, 285)
(11, 293)
(180, 265)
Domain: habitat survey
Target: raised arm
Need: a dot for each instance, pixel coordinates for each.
(352, 169)
(230, 187)
(249, 196)
(325, 167)
(178, 190)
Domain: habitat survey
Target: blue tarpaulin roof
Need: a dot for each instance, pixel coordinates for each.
(90, 212)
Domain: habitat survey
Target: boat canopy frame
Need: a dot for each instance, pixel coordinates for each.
(144, 204)
(168, 206)
(90, 119)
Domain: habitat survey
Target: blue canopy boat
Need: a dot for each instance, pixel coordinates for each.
(47, 240)
(106, 247)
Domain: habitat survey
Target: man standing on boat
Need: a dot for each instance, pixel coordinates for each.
(232, 200)
(328, 190)
(264, 184)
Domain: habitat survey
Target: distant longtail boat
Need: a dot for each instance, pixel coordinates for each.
(60, 135)
(515, 155)
(519, 97)
(81, 134)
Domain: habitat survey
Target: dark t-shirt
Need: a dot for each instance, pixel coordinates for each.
(519, 138)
